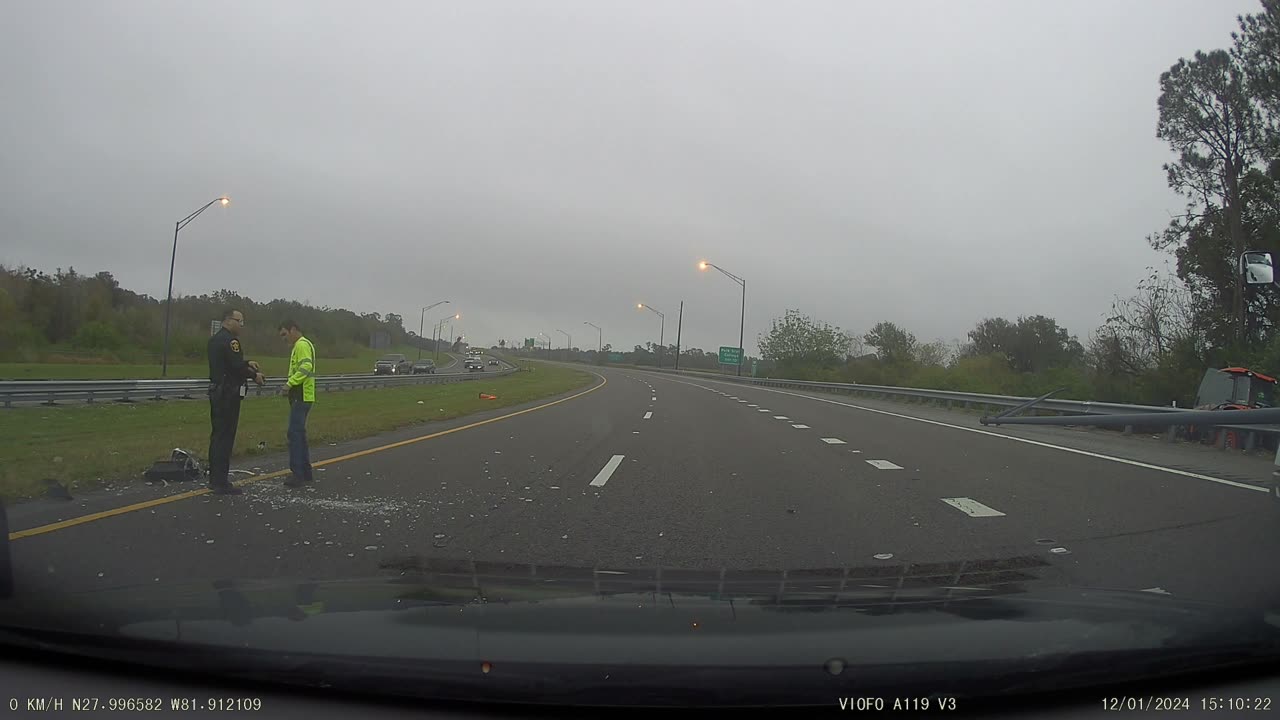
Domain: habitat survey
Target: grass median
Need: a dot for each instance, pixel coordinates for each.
(89, 445)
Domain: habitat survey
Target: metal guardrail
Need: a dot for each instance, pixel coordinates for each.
(52, 392)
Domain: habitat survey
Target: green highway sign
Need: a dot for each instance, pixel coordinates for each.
(528, 342)
(730, 355)
(615, 357)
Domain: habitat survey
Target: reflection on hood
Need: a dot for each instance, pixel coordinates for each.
(993, 615)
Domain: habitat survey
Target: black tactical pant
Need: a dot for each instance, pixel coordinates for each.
(224, 414)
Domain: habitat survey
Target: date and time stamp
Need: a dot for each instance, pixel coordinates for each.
(1118, 704)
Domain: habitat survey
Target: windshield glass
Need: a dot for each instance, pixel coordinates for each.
(856, 331)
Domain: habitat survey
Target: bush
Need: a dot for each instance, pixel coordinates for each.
(97, 335)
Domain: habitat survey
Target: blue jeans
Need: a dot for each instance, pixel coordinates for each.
(299, 454)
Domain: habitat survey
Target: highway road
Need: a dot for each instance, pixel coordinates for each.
(641, 469)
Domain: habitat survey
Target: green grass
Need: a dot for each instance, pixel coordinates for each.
(274, 365)
(89, 444)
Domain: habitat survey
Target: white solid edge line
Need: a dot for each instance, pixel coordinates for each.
(606, 472)
(1037, 443)
(648, 415)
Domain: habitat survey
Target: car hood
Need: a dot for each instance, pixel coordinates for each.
(975, 628)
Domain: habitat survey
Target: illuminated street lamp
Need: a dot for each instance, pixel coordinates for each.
(742, 321)
(168, 303)
(421, 317)
(662, 328)
(435, 333)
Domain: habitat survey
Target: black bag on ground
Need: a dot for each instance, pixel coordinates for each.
(180, 467)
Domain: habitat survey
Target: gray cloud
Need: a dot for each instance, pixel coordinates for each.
(543, 164)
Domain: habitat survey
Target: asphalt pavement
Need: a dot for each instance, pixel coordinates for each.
(642, 469)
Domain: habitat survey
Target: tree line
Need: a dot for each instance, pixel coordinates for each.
(646, 354)
(43, 315)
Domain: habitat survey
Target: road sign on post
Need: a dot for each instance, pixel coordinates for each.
(730, 355)
(615, 357)
(214, 327)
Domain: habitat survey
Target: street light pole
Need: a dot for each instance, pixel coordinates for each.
(679, 328)
(599, 336)
(436, 332)
(421, 318)
(168, 302)
(742, 320)
(662, 327)
(569, 349)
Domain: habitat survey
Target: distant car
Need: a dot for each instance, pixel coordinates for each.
(493, 361)
(394, 364)
(472, 365)
(423, 366)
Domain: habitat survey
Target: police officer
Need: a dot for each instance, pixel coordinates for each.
(228, 375)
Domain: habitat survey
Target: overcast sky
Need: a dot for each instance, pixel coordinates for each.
(543, 164)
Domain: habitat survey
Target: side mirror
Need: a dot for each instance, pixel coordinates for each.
(1257, 268)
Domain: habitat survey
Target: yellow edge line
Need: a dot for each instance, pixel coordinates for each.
(83, 519)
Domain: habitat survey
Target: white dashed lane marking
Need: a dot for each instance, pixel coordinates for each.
(800, 427)
(648, 415)
(753, 405)
(1028, 441)
(883, 465)
(834, 441)
(606, 472)
(781, 417)
(764, 410)
(972, 507)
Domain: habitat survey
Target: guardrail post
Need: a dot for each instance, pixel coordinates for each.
(1128, 429)
(1221, 442)
(1171, 434)
(1250, 440)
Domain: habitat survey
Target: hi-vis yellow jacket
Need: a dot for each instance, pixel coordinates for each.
(302, 369)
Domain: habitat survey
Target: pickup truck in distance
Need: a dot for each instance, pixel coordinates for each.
(394, 364)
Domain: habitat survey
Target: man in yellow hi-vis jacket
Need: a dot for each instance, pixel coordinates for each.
(301, 388)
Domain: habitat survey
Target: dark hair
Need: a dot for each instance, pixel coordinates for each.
(228, 311)
(289, 325)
